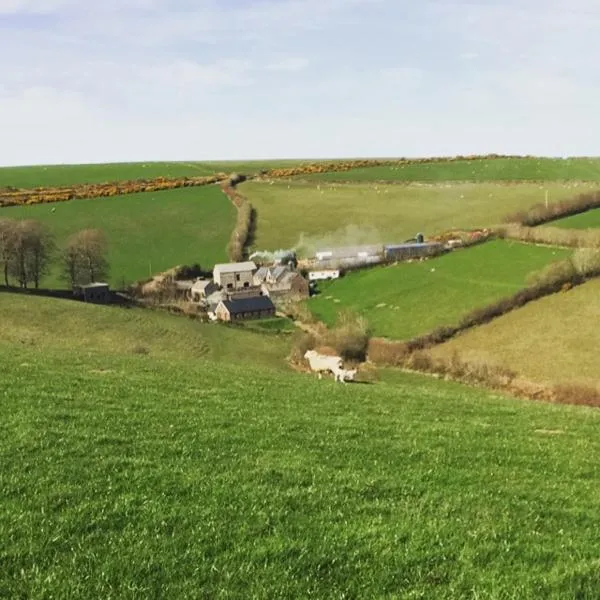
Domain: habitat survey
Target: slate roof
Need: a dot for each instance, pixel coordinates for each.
(235, 267)
(244, 305)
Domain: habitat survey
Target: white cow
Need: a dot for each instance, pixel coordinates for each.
(343, 375)
(320, 363)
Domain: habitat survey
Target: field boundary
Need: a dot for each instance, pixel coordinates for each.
(21, 197)
(245, 226)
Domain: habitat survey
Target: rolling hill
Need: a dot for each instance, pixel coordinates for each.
(303, 215)
(410, 299)
(147, 233)
(184, 473)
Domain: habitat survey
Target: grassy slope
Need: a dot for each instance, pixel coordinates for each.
(382, 213)
(159, 477)
(586, 220)
(418, 300)
(555, 339)
(64, 175)
(48, 324)
(157, 230)
(525, 169)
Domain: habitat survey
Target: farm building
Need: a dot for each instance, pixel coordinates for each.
(233, 276)
(415, 250)
(349, 252)
(201, 289)
(324, 275)
(95, 292)
(257, 307)
(281, 281)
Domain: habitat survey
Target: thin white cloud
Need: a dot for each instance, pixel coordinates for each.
(289, 65)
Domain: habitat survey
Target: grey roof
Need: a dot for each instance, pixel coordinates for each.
(348, 251)
(201, 284)
(253, 304)
(415, 245)
(94, 284)
(235, 267)
(262, 273)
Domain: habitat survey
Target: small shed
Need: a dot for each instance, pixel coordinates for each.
(258, 307)
(201, 289)
(95, 292)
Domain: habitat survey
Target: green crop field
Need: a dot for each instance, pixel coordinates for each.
(586, 220)
(65, 175)
(501, 169)
(310, 215)
(162, 476)
(147, 232)
(554, 339)
(409, 299)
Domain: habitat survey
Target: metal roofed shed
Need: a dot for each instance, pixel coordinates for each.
(256, 307)
(414, 250)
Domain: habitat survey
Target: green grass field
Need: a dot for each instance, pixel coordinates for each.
(553, 340)
(585, 220)
(409, 299)
(502, 169)
(311, 215)
(147, 232)
(50, 324)
(178, 475)
(65, 175)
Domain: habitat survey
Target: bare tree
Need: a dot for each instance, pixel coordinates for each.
(7, 229)
(30, 247)
(84, 258)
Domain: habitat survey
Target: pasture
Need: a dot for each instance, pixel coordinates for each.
(306, 216)
(65, 175)
(134, 476)
(147, 233)
(409, 299)
(49, 324)
(482, 170)
(586, 220)
(554, 339)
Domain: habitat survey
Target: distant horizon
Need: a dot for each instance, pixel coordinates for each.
(294, 159)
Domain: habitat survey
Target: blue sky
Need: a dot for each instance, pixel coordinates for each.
(86, 81)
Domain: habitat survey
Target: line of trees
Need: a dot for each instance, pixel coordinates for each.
(28, 251)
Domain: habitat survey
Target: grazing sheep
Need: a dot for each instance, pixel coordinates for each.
(321, 363)
(343, 375)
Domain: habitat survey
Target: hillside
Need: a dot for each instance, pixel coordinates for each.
(62, 175)
(52, 325)
(585, 220)
(231, 480)
(410, 299)
(310, 215)
(147, 233)
(482, 170)
(554, 339)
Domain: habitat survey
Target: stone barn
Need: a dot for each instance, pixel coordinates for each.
(233, 276)
(258, 307)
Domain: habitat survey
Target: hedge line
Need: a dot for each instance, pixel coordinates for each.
(10, 197)
(553, 236)
(540, 213)
(240, 236)
(340, 166)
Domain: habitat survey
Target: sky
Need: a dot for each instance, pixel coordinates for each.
(137, 80)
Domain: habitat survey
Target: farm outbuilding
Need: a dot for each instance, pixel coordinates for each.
(281, 280)
(349, 252)
(201, 289)
(415, 250)
(258, 307)
(324, 275)
(96, 293)
(233, 276)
